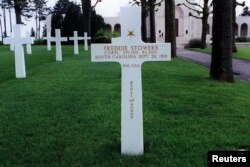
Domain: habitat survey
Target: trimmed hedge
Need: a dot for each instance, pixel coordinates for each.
(194, 43)
(242, 39)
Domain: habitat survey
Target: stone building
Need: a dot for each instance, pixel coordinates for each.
(187, 26)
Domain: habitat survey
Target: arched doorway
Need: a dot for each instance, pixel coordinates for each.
(244, 30)
(179, 21)
(117, 28)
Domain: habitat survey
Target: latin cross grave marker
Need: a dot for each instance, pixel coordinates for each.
(12, 46)
(75, 38)
(131, 53)
(86, 38)
(28, 46)
(48, 38)
(17, 41)
(58, 39)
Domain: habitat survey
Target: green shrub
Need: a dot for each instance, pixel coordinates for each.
(102, 39)
(39, 42)
(103, 36)
(194, 43)
(242, 39)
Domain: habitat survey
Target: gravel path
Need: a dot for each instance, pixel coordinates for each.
(241, 67)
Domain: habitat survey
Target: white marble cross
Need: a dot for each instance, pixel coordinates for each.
(12, 46)
(17, 41)
(75, 38)
(48, 38)
(28, 46)
(58, 39)
(86, 38)
(115, 40)
(131, 53)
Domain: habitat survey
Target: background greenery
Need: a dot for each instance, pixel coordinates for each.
(242, 53)
(68, 114)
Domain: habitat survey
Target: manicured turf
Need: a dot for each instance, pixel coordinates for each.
(243, 53)
(68, 114)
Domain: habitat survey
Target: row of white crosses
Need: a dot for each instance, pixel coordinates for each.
(16, 43)
(75, 38)
(131, 53)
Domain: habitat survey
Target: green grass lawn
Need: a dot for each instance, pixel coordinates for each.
(243, 53)
(68, 114)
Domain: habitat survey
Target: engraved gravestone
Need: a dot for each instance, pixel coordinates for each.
(75, 38)
(115, 40)
(17, 41)
(58, 39)
(86, 38)
(131, 53)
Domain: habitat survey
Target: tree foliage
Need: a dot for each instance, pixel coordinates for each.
(22, 8)
(245, 12)
(68, 17)
(41, 12)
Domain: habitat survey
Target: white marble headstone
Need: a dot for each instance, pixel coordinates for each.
(12, 46)
(17, 41)
(115, 40)
(86, 38)
(131, 53)
(75, 38)
(28, 46)
(48, 38)
(58, 39)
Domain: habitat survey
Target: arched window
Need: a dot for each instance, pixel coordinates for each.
(117, 28)
(244, 30)
(108, 27)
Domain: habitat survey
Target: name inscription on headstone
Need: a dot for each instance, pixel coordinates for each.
(130, 53)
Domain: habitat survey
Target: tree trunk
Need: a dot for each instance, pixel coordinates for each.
(1, 29)
(221, 65)
(234, 25)
(18, 12)
(4, 22)
(204, 34)
(204, 25)
(36, 24)
(86, 10)
(39, 28)
(144, 20)
(152, 21)
(170, 34)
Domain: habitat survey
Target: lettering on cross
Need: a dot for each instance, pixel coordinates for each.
(131, 53)
(86, 38)
(75, 38)
(58, 39)
(17, 41)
